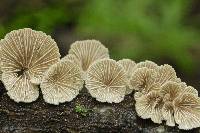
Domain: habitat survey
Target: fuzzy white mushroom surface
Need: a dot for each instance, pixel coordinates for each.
(106, 81)
(129, 67)
(62, 82)
(87, 52)
(25, 55)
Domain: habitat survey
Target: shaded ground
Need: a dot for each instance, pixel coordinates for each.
(40, 117)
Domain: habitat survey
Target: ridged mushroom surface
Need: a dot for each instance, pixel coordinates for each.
(166, 73)
(169, 92)
(143, 80)
(187, 111)
(150, 106)
(148, 64)
(129, 67)
(62, 82)
(25, 55)
(88, 51)
(106, 81)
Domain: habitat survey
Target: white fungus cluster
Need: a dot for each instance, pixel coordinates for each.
(161, 96)
(30, 60)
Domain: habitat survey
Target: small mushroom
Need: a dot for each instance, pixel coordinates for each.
(25, 55)
(62, 82)
(150, 106)
(88, 51)
(166, 73)
(106, 81)
(129, 67)
(169, 92)
(187, 111)
(143, 80)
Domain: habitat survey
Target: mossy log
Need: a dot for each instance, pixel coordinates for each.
(40, 117)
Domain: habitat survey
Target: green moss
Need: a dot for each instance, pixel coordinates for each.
(82, 110)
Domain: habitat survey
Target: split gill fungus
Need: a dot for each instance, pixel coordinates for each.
(30, 60)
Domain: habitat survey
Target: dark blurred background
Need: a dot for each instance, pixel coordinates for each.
(162, 31)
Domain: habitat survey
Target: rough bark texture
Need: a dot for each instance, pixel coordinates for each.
(40, 117)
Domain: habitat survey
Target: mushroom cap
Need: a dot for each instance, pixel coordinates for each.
(148, 64)
(88, 51)
(170, 90)
(187, 111)
(106, 81)
(129, 67)
(62, 82)
(26, 54)
(150, 106)
(20, 89)
(143, 80)
(166, 73)
(73, 58)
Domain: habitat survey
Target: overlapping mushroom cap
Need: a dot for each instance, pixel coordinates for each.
(178, 99)
(166, 73)
(187, 111)
(62, 82)
(87, 52)
(106, 81)
(143, 80)
(25, 55)
(169, 92)
(129, 67)
(149, 106)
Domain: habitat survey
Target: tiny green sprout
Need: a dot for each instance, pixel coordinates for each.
(81, 109)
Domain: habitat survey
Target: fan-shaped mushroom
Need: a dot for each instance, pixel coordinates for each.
(169, 92)
(62, 82)
(106, 81)
(149, 106)
(143, 80)
(25, 55)
(187, 111)
(88, 51)
(129, 67)
(166, 73)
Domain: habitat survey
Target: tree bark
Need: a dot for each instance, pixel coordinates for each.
(40, 117)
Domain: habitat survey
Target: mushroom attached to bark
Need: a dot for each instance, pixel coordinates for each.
(106, 81)
(25, 55)
(129, 67)
(88, 51)
(62, 82)
(169, 92)
(150, 106)
(187, 111)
